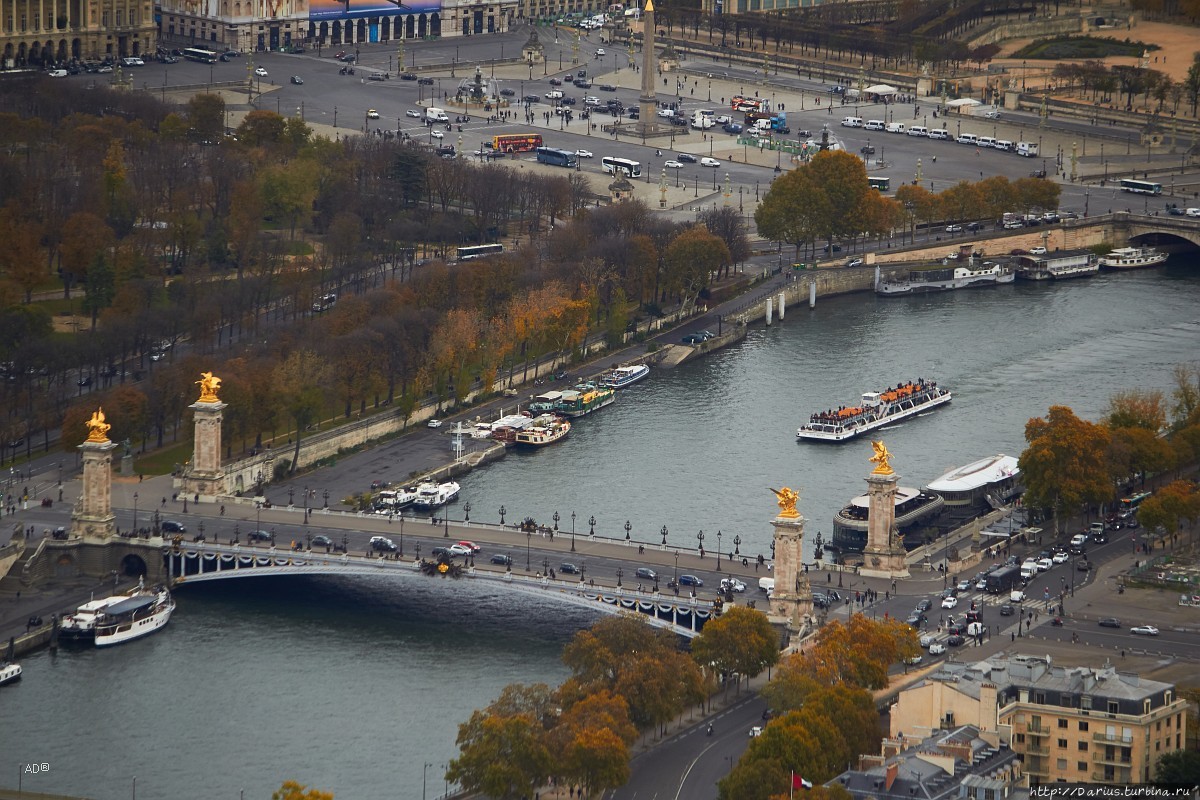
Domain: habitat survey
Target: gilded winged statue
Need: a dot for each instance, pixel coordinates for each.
(97, 428)
(882, 459)
(209, 386)
(787, 499)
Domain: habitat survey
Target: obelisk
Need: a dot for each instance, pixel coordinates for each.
(884, 555)
(647, 101)
(93, 515)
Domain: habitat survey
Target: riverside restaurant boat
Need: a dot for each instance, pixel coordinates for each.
(946, 278)
(546, 429)
(1059, 265)
(134, 617)
(876, 410)
(977, 488)
(580, 401)
(10, 673)
(507, 427)
(914, 510)
(621, 377)
(389, 501)
(430, 495)
(1132, 258)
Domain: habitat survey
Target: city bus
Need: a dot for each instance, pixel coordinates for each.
(612, 165)
(1140, 187)
(882, 184)
(200, 54)
(740, 103)
(516, 142)
(1131, 503)
(558, 158)
(479, 251)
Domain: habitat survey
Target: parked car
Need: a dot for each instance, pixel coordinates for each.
(854, 262)
(937, 649)
(697, 337)
(434, 423)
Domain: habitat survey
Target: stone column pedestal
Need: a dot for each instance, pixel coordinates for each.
(93, 515)
(792, 597)
(884, 556)
(204, 475)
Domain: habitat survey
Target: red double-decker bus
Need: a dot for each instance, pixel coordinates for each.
(516, 142)
(740, 103)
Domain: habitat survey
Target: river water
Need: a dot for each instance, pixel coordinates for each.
(355, 685)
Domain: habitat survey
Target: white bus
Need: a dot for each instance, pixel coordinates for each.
(1140, 187)
(612, 164)
(200, 54)
(479, 251)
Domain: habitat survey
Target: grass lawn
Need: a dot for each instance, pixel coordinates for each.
(1064, 47)
(162, 462)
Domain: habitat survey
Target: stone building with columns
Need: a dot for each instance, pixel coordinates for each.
(38, 33)
(246, 25)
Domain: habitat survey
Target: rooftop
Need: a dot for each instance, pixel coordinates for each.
(976, 474)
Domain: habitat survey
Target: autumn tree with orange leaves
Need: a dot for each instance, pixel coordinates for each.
(1064, 467)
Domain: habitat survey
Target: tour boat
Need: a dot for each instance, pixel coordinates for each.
(1133, 258)
(876, 410)
(545, 430)
(432, 495)
(81, 626)
(942, 279)
(10, 673)
(134, 617)
(1059, 265)
(388, 501)
(621, 377)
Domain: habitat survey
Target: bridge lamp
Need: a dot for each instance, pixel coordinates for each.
(592, 525)
(700, 539)
(237, 533)
(326, 493)
(572, 526)
(545, 568)
(291, 495)
(628, 527)
(346, 544)
(202, 530)
(528, 536)
(466, 512)
(556, 519)
(582, 570)
(446, 524)
(135, 499)
(664, 535)
(418, 551)
(501, 516)
(308, 541)
(737, 542)
(718, 551)
(620, 572)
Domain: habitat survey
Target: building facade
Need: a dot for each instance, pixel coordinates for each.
(245, 25)
(1079, 725)
(40, 33)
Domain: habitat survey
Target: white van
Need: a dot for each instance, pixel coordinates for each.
(766, 585)
(985, 141)
(895, 127)
(939, 133)
(852, 122)
(554, 94)
(1004, 144)
(1027, 149)
(966, 138)
(433, 114)
(917, 130)
(874, 125)
(1016, 596)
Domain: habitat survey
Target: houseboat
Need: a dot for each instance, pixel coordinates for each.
(621, 377)
(546, 429)
(1059, 265)
(1133, 258)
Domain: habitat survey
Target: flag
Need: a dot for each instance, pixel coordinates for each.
(800, 783)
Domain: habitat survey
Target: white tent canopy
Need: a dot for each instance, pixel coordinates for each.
(881, 88)
(963, 101)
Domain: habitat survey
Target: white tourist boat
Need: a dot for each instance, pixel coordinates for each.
(81, 626)
(621, 377)
(390, 501)
(10, 673)
(134, 617)
(876, 410)
(1133, 258)
(431, 495)
(944, 279)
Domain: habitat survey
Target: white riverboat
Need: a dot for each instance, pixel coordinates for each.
(621, 377)
(389, 501)
(432, 495)
(876, 410)
(10, 673)
(978, 487)
(134, 617)
(546, 429)
(1133, 258)
(81, 626)
(944, 279)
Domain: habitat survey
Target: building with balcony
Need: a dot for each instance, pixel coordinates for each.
(1080, 725)
(40, 33)
(245, 25)
(964, 762)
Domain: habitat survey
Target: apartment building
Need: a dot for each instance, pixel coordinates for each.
(40, 33)
(1078, 725)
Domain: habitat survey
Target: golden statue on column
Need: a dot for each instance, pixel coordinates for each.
(882, 459)
(787, 499)
(209, 386)
(97, 428)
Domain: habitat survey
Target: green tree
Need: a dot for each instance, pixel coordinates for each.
(1064, 466)
(692, 258)
(1180, 767)
(206, 113)
(261, 128)
(740, 641)
(299, 382)
(793, 210)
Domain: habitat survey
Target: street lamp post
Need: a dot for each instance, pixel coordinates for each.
(572, 531)
(466, 512)
(135, 499)
(427, 766)
(326, 497)
(528, 536)
(628, 527)
(501, 516)
(620, 573)
(592, 526)
(664, 535)
(737, 541)
(700, 539)
(556, 518)
(718, 551)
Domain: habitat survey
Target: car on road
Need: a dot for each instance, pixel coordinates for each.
(686, 158)
(584, 154)
(954, 229)
(1144, 630)
(599, 51)
(673, 164)
(926, 639)
(835, 248)
(372, 114)
(991, 114)
(607, 87)
(1006, 610)
(437, 134)
(756, 731)
(1045, 564)
(567, 568)
(382, 544)
(504, 92)
(1061, 558)
(647, 573)
(964, 586)
(441, 552)
(949, 602)
(732, 585)
(709, 162)
(924, 604)
(501, 558)
(1037, 251)
(57, 73)
(409, 76)
(171, 526)
(434, 423)
(697, 337)
(867, 150)
(297, 80)
(467, 543)
(321, 540)
(690, 580)
(425, 81)
(913, 660)
(854, 262)
(1109, 622)
(460, 550)
(412, 112)
(258, 536)
(732, 127)
(955, 640)
(260, 72)
(1079, 539)
(937, 649)
(555, 82)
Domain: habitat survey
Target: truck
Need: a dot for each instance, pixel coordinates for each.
(702, 120)
(766, 585)
(768, 121)
(1003, 580)
(433, 114)
(1027, 149)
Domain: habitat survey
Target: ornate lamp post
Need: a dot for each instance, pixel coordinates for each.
(326, 497)
(528, 536)
(202, 530)
(572, 531)
(737, 542)
(628, 527)
(664, 535)
(466, 512)
(502, 516)
(291, 496)
(545, 568)
(308, 541)
(556, 519)
(700, 539)
(237, 534)
(620, 573)
(135, 499)
(418, 551)
(718, 551)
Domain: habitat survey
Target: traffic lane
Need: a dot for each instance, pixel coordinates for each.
(689, 763)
